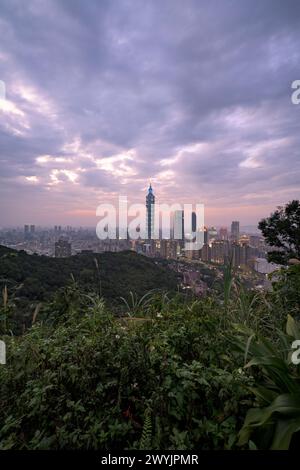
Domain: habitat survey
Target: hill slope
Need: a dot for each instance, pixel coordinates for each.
(119, 273)
(37, 278)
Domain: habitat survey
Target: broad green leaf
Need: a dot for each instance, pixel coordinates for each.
(292, 328)
(283, 433)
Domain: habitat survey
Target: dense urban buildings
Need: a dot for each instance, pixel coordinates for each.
(244, 250)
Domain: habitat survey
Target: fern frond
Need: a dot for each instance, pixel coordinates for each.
(145, 442)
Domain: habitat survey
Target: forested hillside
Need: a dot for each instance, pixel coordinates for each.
(31, 279)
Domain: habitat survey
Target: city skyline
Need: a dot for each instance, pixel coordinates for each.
(169, 211)
(103, 96)
(160, 232)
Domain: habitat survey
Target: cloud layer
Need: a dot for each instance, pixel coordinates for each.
(103, 95)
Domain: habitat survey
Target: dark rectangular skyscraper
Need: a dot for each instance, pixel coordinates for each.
(235, 230)
(180, 226)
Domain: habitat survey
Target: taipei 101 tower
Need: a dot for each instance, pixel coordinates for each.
(150, 201)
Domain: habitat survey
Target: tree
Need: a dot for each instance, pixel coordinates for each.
(282, 231)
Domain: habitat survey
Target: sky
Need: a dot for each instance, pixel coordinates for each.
(104, 95)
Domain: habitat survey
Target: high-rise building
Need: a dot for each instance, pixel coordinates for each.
(179, 225)
(235, 254)
(32, 229)
(26, 230)
(63, 248)
(223, 233)
(169, 249)
(205, 253)
(235, 230)
(194, 222)
(241, 254)
(212, 234)
(190, 227)
(150, 201)
(219, 251)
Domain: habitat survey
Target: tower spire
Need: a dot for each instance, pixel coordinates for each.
(150, 190)
(150, 201)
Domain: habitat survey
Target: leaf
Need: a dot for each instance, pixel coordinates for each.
(284, 432)
(292, 328)
(252, 446)
(263, 393)
(286, 405)
(247, 347)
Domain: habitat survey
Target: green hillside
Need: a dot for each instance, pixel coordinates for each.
(31, 278)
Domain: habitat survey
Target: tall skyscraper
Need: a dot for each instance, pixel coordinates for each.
(235, 230)
(194, 222)
(150, 201)
(223, 234)
(205, 253)
(179, 225)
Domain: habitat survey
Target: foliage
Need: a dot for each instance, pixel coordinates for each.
(276, 417)
(282, 231)
(165, 377)
(147, 432)
(287, 289)
(37, 279)
(7, 309)
(162, 380)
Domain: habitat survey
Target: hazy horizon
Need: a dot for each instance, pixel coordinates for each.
(243, 228)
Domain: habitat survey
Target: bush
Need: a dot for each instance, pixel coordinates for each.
(165, 381)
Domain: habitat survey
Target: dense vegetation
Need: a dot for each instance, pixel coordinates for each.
(169, 373)
(282, 232)
(33, 279)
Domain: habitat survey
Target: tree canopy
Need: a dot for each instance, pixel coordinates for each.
(282, 231)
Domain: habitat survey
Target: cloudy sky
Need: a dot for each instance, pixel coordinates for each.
(102, 95)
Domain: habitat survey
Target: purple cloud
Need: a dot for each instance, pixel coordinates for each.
(102, 96)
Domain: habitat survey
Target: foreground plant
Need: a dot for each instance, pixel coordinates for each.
(275, 422)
